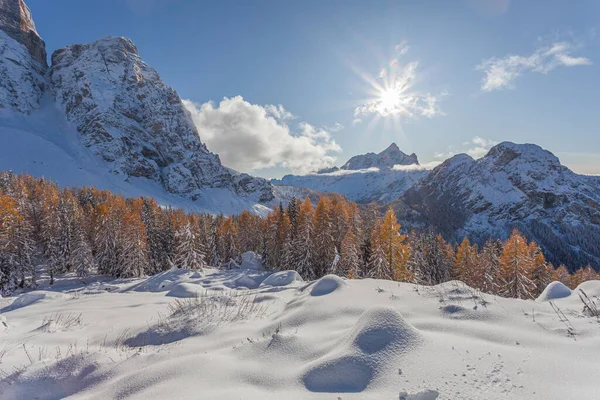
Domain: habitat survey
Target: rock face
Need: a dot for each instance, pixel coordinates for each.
(22, 59)
(387, 158)
(136, 123)
(16, 22)
(22, 81)
(513, 186)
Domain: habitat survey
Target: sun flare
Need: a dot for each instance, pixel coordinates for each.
(389, 99)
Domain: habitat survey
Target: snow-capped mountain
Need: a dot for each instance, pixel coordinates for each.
(136, 123)
(364, 178)
(386, 159)
(135, 126)
(513, 186)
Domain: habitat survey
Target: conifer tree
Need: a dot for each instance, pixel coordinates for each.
(541, 271)
(467, 267)
(349, 264)
(323, 240)
(189, 253)
(303, 249)
(515, 268)
(490, 263)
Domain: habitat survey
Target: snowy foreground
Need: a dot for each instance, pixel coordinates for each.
(245, 334)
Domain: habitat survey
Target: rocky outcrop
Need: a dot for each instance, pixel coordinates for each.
(130, 118)
(16, 22)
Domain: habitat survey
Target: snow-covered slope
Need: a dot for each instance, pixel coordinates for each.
(364, 178)
(513, 186)
(247, 334)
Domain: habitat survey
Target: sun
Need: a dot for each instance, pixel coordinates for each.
(389, 99)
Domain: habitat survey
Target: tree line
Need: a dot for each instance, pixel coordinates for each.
(86, 231)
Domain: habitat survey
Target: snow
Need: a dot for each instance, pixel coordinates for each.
(555, 290)
(283, 278)
(359, 339)
(326, 285)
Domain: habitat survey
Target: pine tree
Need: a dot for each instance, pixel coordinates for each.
(467, 267)
(396, 251)
(83, 260)
(541, 271)
(228, 240)
(378, 266)
(349, 264)
(490, 263)
(189, 253)
(323, 239)
(303, 253)
(515, 270)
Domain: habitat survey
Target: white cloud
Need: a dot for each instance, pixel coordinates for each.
(480, 147)
(341, 172)
(335, 128)
(402, 48)
(500, 73)
(248, 136)
(476, 148)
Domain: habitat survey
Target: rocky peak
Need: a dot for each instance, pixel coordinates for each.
(16, 21)
(386, 159)
(136, 123)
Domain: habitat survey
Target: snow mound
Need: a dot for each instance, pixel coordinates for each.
(245, 281)
(251, 260)
(27, 299)
(424, 395)
(184, 290)
(349, 374)
(381, 328)
(283, 278)
(591, 288)
(326, 285)
(380, 334)
(555, 290)
(165, 281)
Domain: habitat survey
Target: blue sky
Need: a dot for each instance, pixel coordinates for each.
(297, 85)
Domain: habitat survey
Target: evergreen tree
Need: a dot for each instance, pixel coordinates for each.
(303, 253)
(189, 253)
(323, 240)
(349, 264)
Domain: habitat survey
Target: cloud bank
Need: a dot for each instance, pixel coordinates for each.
(248, 136)
(500, 73)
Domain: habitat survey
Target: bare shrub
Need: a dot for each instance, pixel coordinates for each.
(61, 322)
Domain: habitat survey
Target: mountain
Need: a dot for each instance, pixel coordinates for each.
(386, 159)
(101, 113)
(513, 186)
(382, 177)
